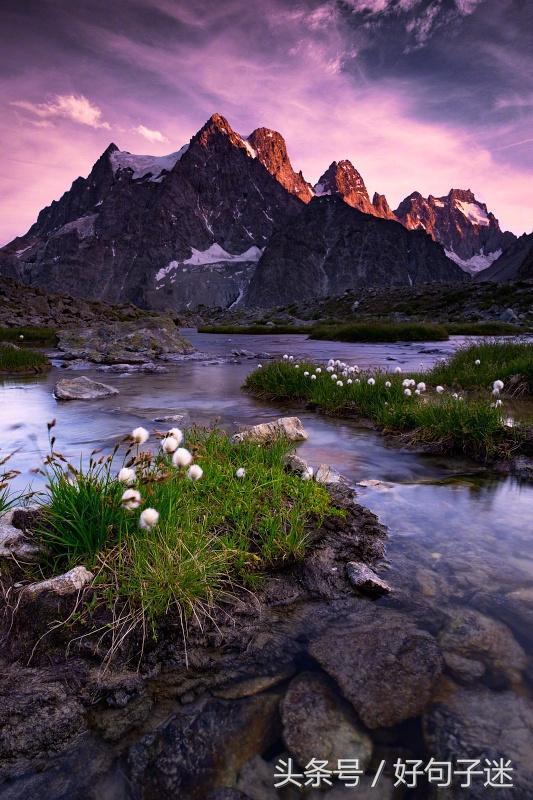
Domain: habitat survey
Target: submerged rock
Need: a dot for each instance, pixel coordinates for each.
(289, 428)
(319, 724)
(385, 667)
(365, 580)
(82, 389)
(481, 640)
(479, 724)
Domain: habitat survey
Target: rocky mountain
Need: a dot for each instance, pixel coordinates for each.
(331, 248)
(469, 233)
(196, 228)
(175, 231)
(514, 264)
(341, 179)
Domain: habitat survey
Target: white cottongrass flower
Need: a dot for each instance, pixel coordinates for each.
(285, 357)
(131, 499)
(313, 377)
(477, 362)
(388, 384)
(169, 444)
(498, 385)
(331, 362)
(195, 472)
(421, 386)
(177, 434)
(371, 381)
(398, 370)
(412, 382)
(140, 435)
(455, 396)
(259, 366)
(148, 519)
(296, 366)
(417, 391)
(357, 380)
(307, 474)
(291, 358)
(240, 473)
(407, 392)
(127, 476)
(340, 383)
(21, 336)
(306, 374)
(509, 422)
(329, 369)
(495, 392)
(318, 370)
(333, 377)
(497, 404)
(439, 389)
(182, 457)
(349, 381)
(406, 382)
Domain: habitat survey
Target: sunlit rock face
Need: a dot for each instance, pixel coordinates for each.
(469, 233)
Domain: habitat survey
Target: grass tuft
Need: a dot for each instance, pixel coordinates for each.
(381, 331)
(31, 334)
(13, 359)
(499, 361)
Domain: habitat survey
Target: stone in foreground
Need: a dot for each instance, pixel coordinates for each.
(365, 580)
(82, 389)
(328, 475)
(386, 667)
(311, 713)
(62, 585)
(289, 428)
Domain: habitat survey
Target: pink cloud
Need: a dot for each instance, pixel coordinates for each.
(151, 135)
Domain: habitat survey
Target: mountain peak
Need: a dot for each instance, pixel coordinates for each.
(341, 178)
(271, 150)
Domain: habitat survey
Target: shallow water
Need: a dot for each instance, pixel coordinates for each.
(458, 535)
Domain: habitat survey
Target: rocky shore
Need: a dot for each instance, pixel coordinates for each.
(309, 666)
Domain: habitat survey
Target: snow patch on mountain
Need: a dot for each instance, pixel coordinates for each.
(473, 212)
(320, 190)
(216, 253)
(145, 165)
(84, 226)
(477, 262)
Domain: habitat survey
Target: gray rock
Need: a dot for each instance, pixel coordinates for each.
(256, 780)
(294, 463)
(328, 475)
(509, 315)
(82, 389)
(365, 580)
(289, 428)
(62, 585)
(465, 670)
(386, 668)
(479, 638)
(478, 723)
(15, 544)
(319, 724)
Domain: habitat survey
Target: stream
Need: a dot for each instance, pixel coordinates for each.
(459, 536)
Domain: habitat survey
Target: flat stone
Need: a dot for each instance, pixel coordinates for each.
(289, 428)
(69, 583)
(365, 580)
(385, 667)
(82, 389)
(319, 724)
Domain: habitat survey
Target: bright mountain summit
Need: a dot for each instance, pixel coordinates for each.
(227, 220)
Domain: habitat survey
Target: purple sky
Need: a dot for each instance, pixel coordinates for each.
(418, 94)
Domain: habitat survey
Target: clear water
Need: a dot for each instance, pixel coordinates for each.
(454, 528)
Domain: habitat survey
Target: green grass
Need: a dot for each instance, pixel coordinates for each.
(19, 360)
(30, 335)
(213, 534)
(499, 361)
(381, 331)
(488, 328)
(468, 426)
(256, 330)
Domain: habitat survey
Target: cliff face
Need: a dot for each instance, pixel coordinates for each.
(515, 263)
(331, 248)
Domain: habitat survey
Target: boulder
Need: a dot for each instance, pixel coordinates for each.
(200, 750)
(293, 463)
(515, 608)
(478, 723)
(327, 475)
(319, 724)
(82, 389)
(289, 428)
(481, 639)
(386, 667)
(62, 585)
(365, 580)
(15, 544)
